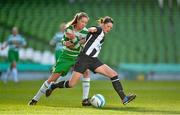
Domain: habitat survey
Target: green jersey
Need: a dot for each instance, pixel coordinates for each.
(74, 52)
(68, 56)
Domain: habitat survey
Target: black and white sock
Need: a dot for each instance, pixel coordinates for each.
(118, 87)
(61, 84)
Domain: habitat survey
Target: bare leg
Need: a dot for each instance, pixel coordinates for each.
(74, 79)
(53, 77)
(107, 71)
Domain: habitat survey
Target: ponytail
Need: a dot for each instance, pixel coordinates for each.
(100, 21)
(105, 20)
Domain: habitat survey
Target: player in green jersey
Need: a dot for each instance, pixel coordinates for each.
(73, 40)
(14, 41)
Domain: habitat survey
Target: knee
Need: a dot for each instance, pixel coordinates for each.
(86, 74)
(13, 65)
(114, 73)
(71, 85)
(53, 77)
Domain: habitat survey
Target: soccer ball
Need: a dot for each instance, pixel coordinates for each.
(98, 101)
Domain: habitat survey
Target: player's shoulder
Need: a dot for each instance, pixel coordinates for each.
(70, 27)
(10, 37)
(20, 37)
(84, 31)
(99, 29)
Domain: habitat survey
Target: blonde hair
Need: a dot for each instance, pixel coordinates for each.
(77, 17)
(15, 28)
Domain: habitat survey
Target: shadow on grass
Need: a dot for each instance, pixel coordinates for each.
(141, 109)
(128, 109)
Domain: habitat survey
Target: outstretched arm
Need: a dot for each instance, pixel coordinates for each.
(92, 29)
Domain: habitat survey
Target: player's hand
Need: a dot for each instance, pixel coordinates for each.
(70, 35)
(18, 46)
(92, 29)
(15, 42)
(82, 41)
(69, 44)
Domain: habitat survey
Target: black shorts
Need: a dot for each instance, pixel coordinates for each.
(85, 62)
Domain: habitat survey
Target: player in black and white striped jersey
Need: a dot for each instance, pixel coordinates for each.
(88, 60)
(94, 42)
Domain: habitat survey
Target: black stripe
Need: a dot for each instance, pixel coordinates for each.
(114, 78)
(89, 43)
(102, 40)
(92, 39)
(93, 52)
(88, 36)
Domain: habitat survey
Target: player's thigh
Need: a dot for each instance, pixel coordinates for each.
(53, 77)
(63, 66)
(13, 56)
(16, 56)
(106, 70)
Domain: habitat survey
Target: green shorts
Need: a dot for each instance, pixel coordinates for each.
(13, 56)
(57, 54)
(64, 64)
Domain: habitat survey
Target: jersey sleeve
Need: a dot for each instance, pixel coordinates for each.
(68, 29)
(99, 30)
(83, 35)
(64, 39)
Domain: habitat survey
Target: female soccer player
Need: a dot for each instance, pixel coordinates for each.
(14, 41)
(88, 60)
(73, 39)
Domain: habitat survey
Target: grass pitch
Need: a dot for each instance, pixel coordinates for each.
(153, 97)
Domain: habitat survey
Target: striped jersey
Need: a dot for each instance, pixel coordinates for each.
(15, 42)
(93, 43)
(74, 52)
